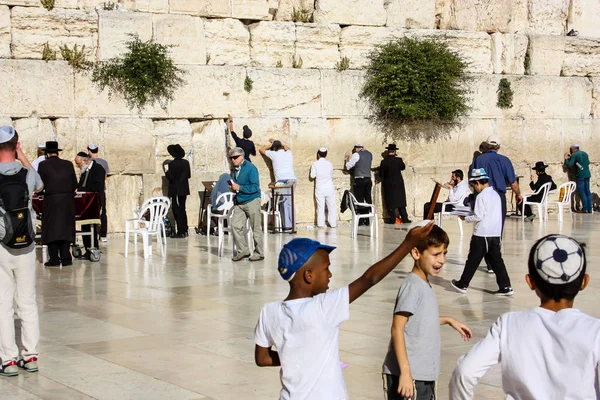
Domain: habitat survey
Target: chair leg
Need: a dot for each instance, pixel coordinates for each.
(523, 211)
(460, 226)
(376, 226)
(354, 227)
(371, 225)
(145, 245)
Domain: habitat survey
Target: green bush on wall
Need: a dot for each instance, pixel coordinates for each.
(414, 83)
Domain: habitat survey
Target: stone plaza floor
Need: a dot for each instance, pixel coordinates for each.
(182, 327)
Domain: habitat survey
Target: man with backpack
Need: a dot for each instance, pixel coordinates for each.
(18, 181)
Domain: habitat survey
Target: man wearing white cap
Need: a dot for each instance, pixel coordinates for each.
(321, 171)
(360, 164)
(41, 153)
(17, 256)
(93, 153)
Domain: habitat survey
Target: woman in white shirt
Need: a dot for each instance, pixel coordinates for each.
(321, 171)
(283, 168)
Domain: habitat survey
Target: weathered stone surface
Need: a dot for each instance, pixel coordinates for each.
(129, 146)
(352, 12)
(5, 36)
(46, 88)
(262, 129)
(5, 121)
(211, 92)
(29, 3)
(595, 97)
(185, 33)
(474, 15)
(254, 9)
(582, 57)
(548, 17)
(508, 53)
(122, 199)
(205, 8)
(227, 42)
(153, 6)
(32, 27)
(526, 141)
(285, 92)
(285, 9)
(584, 16)
(318, 45)
(208, 141)
(171, 131)
(75, 134)
(356, 42)
(271, 42)
(33, 132)
(115, 28)
(410, 13)
(546, 54)
(341, 93)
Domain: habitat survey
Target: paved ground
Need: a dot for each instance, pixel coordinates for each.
(182, 327)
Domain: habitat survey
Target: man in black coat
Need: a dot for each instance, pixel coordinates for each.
(394, 194)
(58, 217)
(542, 178)
(178, 174)
(92, 179)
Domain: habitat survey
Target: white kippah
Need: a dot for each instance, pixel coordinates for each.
(93, 146)
(559, 259)
(323, 150)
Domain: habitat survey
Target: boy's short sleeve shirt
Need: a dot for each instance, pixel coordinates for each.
(421, 333)
(305, 334)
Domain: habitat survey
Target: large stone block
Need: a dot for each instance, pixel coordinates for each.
(129, 145)
(123, 196)
(227, 42)
(548, 17)
(546, 54)
(254, 9)
(75, 134)
(222, 92)
(45, 88)
(285, 9)
(153, 6)
(584, 16)
(526, 141)
(33, 132)
(209, 150)
(171, 131)
(582, 57)
(341, 93)
(185, 33)
(356, 42)
(28, 3)
(271, 42)
(5, 37)
(410, 13)
(205, 8)
(116, 28)
(353, 12)
(285, 92)
(262, 129)
(508, 53)
(318, 45)
(475, 15)
(32, 27)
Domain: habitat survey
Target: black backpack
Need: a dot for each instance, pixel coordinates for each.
(14, 210)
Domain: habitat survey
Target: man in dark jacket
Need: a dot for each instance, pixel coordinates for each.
(58, 217)
(178, 174)
(394, 194)
(92, 179)
(244, 143)
(542, 178)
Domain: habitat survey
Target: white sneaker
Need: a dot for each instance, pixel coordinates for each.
(103, 239)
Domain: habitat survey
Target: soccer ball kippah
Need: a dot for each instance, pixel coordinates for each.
(559, 259)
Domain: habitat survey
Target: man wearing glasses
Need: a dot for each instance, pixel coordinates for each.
(246, 185)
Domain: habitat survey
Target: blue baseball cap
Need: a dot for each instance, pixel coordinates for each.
(295, 253)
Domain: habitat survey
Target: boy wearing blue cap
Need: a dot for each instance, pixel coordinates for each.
(487, 236)
(304, 327)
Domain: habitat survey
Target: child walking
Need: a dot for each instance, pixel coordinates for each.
(412, 364)
(487, 236)
(548, 352)
(300, 333)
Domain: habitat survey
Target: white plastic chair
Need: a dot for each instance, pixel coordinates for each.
(138, 214)
(356, 217)
(268, 200)
(157, 210)
(568, 188)
(541, 206)
(224, 211)
(444, 212)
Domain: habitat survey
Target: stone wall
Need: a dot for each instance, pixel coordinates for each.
(221, 42)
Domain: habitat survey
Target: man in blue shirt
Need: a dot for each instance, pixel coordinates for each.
(580, 160)
(246, 185)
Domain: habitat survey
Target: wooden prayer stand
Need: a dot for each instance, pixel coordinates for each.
(434, 197)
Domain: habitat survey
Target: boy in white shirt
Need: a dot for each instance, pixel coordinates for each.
(548, 352)
(304, 327)
(321, 171)
(412, 364)
(487, 236)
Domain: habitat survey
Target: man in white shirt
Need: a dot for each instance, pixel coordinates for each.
(459, 189)
(321, 171)
(360, 164)
(486, 239)
(41, 152)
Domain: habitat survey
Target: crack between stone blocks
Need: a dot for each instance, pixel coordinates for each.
(300, 104)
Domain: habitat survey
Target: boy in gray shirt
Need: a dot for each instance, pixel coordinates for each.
(412, 364)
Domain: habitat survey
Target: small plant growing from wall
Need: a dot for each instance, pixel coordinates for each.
(416, 89)
(75, 57)
(343, 64)
(109, 6)
(297, 63)
(47, 53)
(144, 75)
(505, 94)
(47, 4)
(301, 15)
(207, 58)
(279, 64)
(248, 84)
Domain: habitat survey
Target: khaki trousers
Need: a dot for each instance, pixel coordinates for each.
(241, 213)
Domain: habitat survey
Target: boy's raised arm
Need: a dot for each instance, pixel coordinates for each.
(379, 270)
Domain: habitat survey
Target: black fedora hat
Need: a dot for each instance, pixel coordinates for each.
(52, 147)
(391, 147)
(176, 151)
(539, 166)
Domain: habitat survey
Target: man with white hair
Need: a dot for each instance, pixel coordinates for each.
(321, 171)
(245, 183)
(580, 160)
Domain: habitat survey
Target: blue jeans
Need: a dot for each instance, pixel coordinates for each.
(583, 187)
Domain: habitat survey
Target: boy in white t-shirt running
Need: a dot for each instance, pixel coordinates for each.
(304, 327)
(548, 352)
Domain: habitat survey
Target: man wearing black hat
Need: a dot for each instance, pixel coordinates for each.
(394, 194)
(58, 218)
(92, 179)
(244, 143)
(543, 178)
(178, 174)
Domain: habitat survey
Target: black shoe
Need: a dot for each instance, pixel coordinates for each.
(179, 236)
(84, 256)
(389, 221)
(67, 263)
(459, 287)
(408, 221)
(507, 291)
(52, 264)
